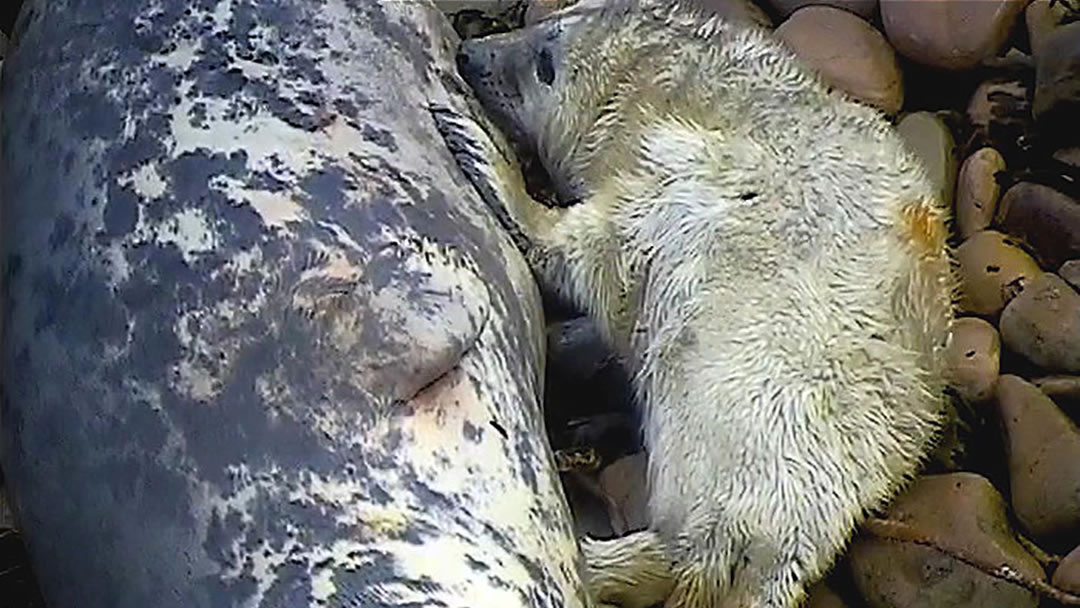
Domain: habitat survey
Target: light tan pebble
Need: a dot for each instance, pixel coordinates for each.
(960, 511)
(949, 35)
(993, 270)
(624, 481)
(862, 8)
(1044, 463)
(1053, 386)
(1070, 271)
(977, 191)
(933, 143)
(1067, 574)
(1042, 323)
(849, 53)
(974, 357)
(1044, 219)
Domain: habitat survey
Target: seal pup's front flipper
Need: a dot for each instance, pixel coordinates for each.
(482, 156)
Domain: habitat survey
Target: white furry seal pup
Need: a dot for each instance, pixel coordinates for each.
(766, 255)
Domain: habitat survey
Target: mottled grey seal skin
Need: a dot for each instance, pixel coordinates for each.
(264, 345)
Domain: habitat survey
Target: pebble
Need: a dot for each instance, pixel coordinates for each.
(862, 8)
(1052, 386)
(819, 595)
(624, 481)
(1003, 102)
(974, 357)
(961, 511)
(1042, 323)
(929, 138)
(848, 52)
(1057, 77)
(949, 35)
(1070, 271)
(993, 269)
(1067, 575)
(1041, 19)
(745, 11)
(590, 512)
(1044, 218)
(1044, 463)
(1068, 155)
(977, 191)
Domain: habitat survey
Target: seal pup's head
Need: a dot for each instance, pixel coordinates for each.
(544, 84)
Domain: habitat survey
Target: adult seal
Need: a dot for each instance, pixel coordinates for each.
(263, 343)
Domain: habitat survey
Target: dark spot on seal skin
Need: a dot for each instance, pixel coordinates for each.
(291, 586)
(92, 115)
(472, 432)
(476, 564)
(381, 137)
(197, 115)
(326, 187)
(527, 460)
(424, 494)
(62, 231)
(122, 211)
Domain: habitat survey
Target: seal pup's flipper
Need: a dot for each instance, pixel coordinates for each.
(633, 571)
(496, 178)
(566, 247)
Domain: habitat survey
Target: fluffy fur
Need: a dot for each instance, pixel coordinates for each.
(764, 253)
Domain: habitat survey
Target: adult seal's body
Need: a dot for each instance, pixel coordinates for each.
(764, 253)
(263, 345)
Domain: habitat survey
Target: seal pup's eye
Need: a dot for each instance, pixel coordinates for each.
(545, 69)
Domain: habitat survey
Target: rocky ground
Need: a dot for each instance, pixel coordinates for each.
(988, 93)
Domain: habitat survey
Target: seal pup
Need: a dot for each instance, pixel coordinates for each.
(764, 253)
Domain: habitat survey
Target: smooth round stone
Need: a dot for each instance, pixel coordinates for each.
(929, 138)
(949, 35)
(848, 52)
(977, 191)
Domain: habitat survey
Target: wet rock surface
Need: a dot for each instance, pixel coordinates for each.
(950, 35)
(1043, 323)
(977, 191)
(1070, 271)
(1067, 573)
(961, 511)
(1045, 219)
(974, 359)
(1044, 463)
(993, 270)
(850, 53)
